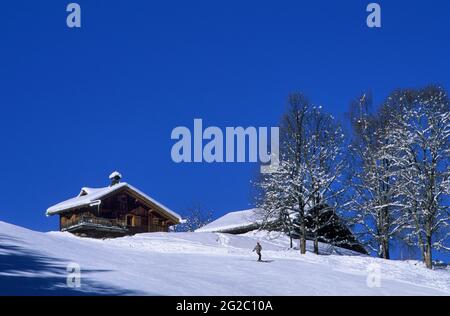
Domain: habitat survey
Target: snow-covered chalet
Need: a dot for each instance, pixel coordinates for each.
(116, 210)
(241, 222)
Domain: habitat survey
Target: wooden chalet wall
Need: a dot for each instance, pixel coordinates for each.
(123, 208)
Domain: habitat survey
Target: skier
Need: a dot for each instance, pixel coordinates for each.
(258, 249)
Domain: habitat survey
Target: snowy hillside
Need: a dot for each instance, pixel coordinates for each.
(197, 264)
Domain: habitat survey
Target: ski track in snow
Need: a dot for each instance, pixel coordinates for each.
(198, 264)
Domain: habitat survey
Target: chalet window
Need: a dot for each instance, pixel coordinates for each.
(137, 221)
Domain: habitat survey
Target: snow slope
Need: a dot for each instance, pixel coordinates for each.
(197, 264)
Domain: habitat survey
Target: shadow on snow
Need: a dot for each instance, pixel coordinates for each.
(23, 272)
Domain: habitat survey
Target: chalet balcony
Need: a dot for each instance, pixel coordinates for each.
(83, 223)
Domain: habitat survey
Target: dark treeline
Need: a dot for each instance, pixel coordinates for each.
(387, 178)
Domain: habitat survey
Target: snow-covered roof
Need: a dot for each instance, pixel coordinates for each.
(230, 221)
(88, 196)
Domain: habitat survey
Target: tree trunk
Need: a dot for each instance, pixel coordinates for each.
(384, 249)
(303, 238)
(316, 245)
(427, 254)
(316, 233)
(384, 228)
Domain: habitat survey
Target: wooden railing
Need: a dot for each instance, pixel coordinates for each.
(106, 222)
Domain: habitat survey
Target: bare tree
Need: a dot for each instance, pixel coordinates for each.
(324, 164)
(309, 170)
(374, 177)
(422, 138)
(274, 203)
(195, 217)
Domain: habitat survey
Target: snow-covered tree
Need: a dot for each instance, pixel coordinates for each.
(324, 164)
(274, 203)
(422, 138)
(401, 171)
(374, 174)
(310, 167)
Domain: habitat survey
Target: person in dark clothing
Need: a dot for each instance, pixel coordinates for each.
(258, 249)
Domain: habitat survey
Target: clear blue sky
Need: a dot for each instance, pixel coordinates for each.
(77, 104)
